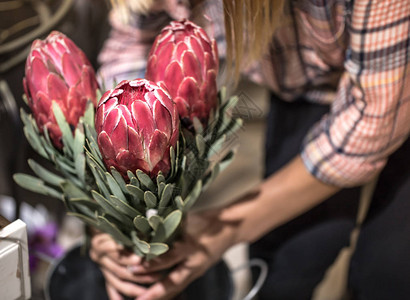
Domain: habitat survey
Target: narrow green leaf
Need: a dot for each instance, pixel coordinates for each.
(80, 166)
(145, 180)
(44, 174)
(197, 125)
(158, 248)
(200, 144)
(161, 187)
(88, 117)
(113, 230)
(159, 234)
(133, 179)
(107, 206)
(72, 191)
(36, 185)
(179, 202)
(150, 199)
(114, 187)
(67, 134)
(193, 196)
(142, 225)
(142, 246)
(119, 179)
(166, 195)
(90, 221)
(154, 221)
(79, 139)
(86, 202)
(172, 160)
(172, 222)
(137, 195)
(35, 141)
(160, 178)
(123, 207)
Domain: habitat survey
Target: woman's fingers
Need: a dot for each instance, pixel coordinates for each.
(173, 284)
(124, 287)
(112, 292)
(125, 273)
(103, 245)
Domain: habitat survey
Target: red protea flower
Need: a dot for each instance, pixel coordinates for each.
(57, 70)
(137, 123)
(185, 60)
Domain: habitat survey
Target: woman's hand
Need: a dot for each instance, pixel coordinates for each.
(205, 239)
(117, 266)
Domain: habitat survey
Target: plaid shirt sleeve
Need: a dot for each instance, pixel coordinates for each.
(370, 117)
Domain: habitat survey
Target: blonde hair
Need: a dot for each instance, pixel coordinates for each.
(249, 26)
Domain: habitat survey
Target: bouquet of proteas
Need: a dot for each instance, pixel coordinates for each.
(132, 163)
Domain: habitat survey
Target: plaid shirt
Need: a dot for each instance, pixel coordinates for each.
(352, 55)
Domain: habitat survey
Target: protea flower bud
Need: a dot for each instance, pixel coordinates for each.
(137, 123)
(185, 60)
(57, 70)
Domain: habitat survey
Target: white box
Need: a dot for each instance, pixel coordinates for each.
(14, 265)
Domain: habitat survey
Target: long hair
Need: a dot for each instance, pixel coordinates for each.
(249, 26)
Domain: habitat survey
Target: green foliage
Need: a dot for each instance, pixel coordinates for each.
(142, 213)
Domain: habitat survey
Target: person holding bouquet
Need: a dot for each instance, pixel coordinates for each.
(340, 117)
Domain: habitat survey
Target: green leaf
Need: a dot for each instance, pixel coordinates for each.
(107, 206)
(133, 179)
(172, 222)
(72, 191)
(67, 134)
(114, 187)
(201, 144)
(179, 202)
(100, 183)
(160, 178)
(142, 246)
(137, 195)
(88, 117)
(154, 221)
(83, 206)
(145, 180)
(90, 221)
(44, 174)
(158, 248)
(159, 234)
(172, 160)
(36, 185)
(92, 205)
(80, 166)
(161, 187)
(197, 125)
(79, 139)
(193, 196)
(226, 161)
(142, 225)
(119, 179)
(124, 207)
(113, 230)
(34, 141)
(166, 196)
(150, 199)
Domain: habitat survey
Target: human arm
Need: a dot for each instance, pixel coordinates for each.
(284, 195)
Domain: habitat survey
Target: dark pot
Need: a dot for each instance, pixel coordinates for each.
(76, 276)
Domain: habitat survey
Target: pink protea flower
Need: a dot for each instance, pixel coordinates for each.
(137, 123)
(185, 60)
(57, 70)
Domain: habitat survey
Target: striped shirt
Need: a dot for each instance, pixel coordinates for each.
(352, 55)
